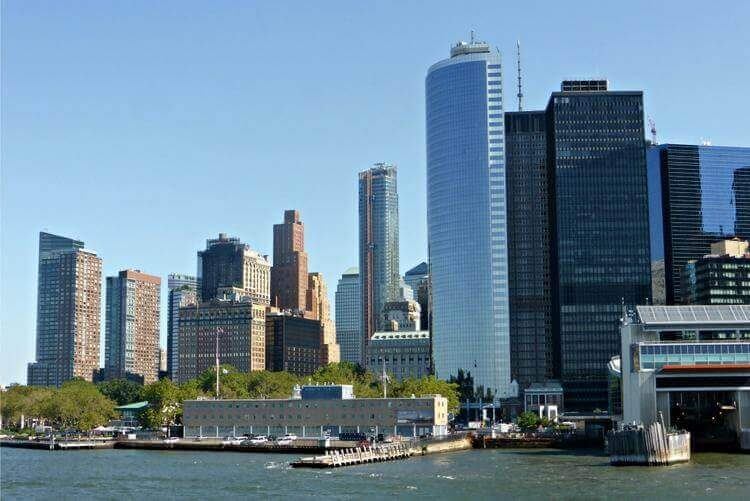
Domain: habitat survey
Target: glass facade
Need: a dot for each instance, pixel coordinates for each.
(348, 316)
(532, 353)
(182, 292)
(466, 217)
(655, 356)
(698, 195)
(600, 251)
(378, 245)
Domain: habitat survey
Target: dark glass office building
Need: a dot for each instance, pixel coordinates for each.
(698, 195)
(532, 348)
(600, 241)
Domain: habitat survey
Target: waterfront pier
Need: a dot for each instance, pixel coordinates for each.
(356, 456)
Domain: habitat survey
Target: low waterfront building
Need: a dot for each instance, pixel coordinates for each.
(316, 412)
(691, 365)
(405, 354)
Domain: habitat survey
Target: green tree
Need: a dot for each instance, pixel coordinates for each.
(165, 404)
(79, 404)
(30, 401)
(366, 384)
(232, 383)
(121, 391)
(265, 384)
(428, 385)
(528, 420)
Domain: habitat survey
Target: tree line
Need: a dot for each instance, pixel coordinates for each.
(82, 405)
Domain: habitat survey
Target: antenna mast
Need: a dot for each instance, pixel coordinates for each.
(520, 92)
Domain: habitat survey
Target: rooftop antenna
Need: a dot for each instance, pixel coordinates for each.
(520, 92)
(652, 126)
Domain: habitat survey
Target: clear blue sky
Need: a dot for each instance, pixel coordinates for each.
(144, 128)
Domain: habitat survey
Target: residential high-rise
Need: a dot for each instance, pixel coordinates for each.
(227, 262)
(600, 258)
(466, 216)
(289, 271)
(348, 316)
(378, 244)
(183, 291)
(132, 326)
(532, 348)
(319, 308)
(68, 312)
(233, 320)
(419, 280)
(721, 277)
(697, 195)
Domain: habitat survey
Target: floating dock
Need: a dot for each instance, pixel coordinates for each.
(356, 456)
(649, 445)
(58, 445)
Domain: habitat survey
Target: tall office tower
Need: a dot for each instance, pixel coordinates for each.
(348, 316)
(317, 303)
(131, 348)
(600, 239)
(234, 322)
(68, 312)
(289, 271)
(227, 262)
(532, 351)
(183, 291)
(697, 195)
(466, 216)
(419, 280)
(378, 244)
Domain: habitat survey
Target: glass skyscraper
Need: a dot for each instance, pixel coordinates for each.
(698, 195)
(378, 245)
(348, 318)
(466, 216)
(600, 242)
(532, 348)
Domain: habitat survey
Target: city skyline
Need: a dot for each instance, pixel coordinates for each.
(76, 136)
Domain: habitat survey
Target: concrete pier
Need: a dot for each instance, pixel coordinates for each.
(650, 445)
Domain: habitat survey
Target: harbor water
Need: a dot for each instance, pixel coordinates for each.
(474, 474)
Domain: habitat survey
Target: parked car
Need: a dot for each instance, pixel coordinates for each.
(232, 441)
(287, 439)
(171, 440)
(259, 440)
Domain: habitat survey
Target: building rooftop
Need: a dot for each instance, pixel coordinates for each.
(353, 270)
(420, 269)
(400, 335)
(134, 406)
(696, 314)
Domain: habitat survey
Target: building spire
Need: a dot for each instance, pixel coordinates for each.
(520, 91)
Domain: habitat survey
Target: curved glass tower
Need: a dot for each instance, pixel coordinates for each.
(466, 216)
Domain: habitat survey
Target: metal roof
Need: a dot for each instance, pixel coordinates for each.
(695, 314)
